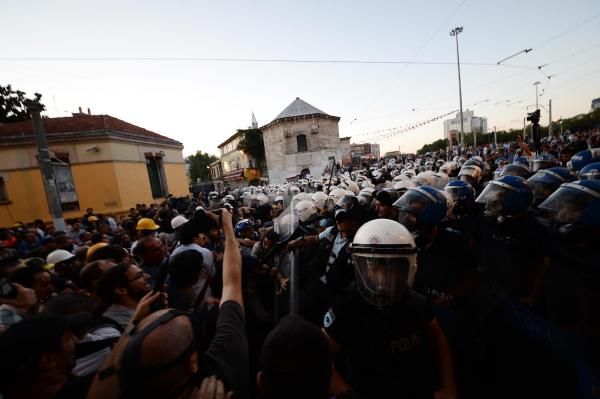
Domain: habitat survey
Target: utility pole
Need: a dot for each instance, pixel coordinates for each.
(524, 127)
(536, 84)
(549, 118)
(495, 142)
(454, 32)
(46, 168)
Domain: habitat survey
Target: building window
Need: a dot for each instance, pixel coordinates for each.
(64, 182)
(301, 142)
(156, 174)
(3, 191)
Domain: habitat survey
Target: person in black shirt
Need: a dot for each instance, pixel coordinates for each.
(394, 345)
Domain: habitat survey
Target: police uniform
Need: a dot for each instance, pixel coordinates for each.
(389, 354)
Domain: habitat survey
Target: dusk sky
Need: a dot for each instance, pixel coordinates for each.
(201, 103)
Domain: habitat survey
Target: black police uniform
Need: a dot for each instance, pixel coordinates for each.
(389, 354)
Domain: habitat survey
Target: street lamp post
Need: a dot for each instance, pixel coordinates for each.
(454, 32)
(536, 84)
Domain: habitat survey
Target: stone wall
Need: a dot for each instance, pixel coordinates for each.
(283, 158)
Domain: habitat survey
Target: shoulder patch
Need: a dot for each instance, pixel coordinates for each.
(329, 318)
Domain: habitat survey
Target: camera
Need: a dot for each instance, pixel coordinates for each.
(534, 117)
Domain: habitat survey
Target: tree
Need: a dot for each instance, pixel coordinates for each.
(440, 144)
(14, 103)
(252, 144)
(199, 166)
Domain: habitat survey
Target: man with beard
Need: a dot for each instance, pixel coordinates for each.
(122, 287)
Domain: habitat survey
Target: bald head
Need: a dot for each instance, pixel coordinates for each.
(176, 332)
(163, 346)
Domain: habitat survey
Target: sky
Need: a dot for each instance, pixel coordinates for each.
(164, 87)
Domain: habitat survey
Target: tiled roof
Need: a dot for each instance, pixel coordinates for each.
(298, 107)
(81, 123)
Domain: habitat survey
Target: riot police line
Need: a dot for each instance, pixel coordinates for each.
(506, 255)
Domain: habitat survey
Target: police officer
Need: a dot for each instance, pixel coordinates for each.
(571, 284)
(394, 345)
(331, 267)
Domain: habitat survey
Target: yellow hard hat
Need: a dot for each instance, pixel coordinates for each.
(146, 224)
(92, 218)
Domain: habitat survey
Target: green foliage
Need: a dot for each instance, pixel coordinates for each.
(14, 103)
(199, 166)
(252, 144)
(440, 144)
(577, 123)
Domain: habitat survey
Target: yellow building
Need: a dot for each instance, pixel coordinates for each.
(100, 162)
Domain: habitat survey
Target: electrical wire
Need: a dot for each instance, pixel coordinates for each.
(258, 60)
(389, 83)
(561, 34)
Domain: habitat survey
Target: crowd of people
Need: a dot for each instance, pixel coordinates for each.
(470, 272)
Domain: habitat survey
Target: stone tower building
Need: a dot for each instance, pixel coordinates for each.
(301, 139)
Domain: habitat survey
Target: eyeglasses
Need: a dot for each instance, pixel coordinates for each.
(138, 275)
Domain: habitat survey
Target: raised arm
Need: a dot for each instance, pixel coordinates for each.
(232, 263)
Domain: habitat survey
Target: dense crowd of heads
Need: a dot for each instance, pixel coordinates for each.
(189, 297)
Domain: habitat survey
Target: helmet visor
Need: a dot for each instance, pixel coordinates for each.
(568, 204)
(456, 193)
(412, 201)
(408, 220)
(515, 170)
(383, 279)
(542, 190)
(493, 197)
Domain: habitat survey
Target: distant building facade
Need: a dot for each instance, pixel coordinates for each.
(237, 168)
(595, 103)
(367, 150)
(99, 162)
(471, 124)
(216, 174)
(302, 140)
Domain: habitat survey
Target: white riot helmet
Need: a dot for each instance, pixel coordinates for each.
(367, 193)
(423, 179)
(294, 190)
(262, 199)
(409, 172)
(352, 186)
(440, 180)
(471, 173)
(334, 196)
(320, 199)
(384, 255)
(403, 186)
(306, 209)
(300, 197)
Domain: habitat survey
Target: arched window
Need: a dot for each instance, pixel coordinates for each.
(301, 141)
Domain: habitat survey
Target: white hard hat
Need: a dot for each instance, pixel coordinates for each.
(57, 256)
(178, 221)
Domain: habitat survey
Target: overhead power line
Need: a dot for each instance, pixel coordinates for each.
(564, 32)
(265, 60)
(416, 54)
